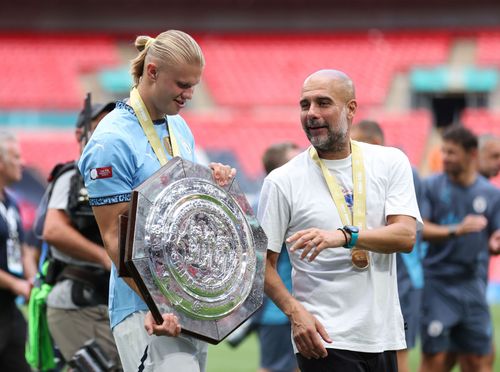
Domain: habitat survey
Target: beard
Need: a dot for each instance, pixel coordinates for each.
(334, 140)
(453, 170)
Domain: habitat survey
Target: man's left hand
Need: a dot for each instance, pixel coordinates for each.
(222, 174)
(314, 240)
(494, 243)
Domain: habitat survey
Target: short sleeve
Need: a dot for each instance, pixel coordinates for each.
(108, 166)
(494, 220)
(401, 198)
(425, 201)
(273, 214)
(60, 192)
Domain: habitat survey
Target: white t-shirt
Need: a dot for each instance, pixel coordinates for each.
(359, 308)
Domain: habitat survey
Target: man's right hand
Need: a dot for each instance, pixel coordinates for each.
(21, 287)
(308, 333)
(169, 327)
(472, 223)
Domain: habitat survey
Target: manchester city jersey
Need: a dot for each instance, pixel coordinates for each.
(446, 203)
(117, 159)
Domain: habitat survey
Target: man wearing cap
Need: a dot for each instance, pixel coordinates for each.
(77, 308)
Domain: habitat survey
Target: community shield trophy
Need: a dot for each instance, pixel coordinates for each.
(195, 249)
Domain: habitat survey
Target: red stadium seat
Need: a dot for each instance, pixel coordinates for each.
(407, 130)
(487, 47)
(248, 133)
(246, 70)
(44, 149)
(55, 64)
(482, 121)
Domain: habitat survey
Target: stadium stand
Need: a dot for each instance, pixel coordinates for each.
(43, 149)
(487, 47)
(482, 120)
(246, 70)
(246, 134)
(408, 131)
(252, 81)
(54, 64)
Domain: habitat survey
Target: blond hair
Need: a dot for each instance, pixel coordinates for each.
(172, 47)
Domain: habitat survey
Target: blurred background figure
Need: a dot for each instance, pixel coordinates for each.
(489, 155)
(409, 265)
(77, 308)
(461, 212)
(15, 280)
(489, 167)
(368, 131)
(273, 327)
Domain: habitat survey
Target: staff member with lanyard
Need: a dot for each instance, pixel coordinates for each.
(12, 280)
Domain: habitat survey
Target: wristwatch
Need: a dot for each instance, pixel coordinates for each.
(353, 231)
(452, 231)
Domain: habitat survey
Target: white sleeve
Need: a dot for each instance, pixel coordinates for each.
(401, 198)
(273, 215)
(60, 192)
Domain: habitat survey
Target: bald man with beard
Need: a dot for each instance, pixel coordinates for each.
(341, 239)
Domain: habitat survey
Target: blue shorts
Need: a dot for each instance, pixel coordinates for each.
(410, 300)
(276, 350)
(455, 317)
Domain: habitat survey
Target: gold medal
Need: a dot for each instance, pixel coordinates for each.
(167, 144)
(360, 258)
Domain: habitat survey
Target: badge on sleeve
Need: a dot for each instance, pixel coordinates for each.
(98, 173)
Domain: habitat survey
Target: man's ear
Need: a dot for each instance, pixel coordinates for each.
(152, 71)
(474, 153)
(78, 134)
(352, 105)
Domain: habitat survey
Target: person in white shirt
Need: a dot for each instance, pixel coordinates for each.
(344, 310)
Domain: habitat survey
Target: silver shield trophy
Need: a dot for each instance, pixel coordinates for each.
(195, 249)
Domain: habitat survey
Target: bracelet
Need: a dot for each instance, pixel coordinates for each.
(345, 235)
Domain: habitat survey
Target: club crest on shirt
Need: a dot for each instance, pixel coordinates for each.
(435, 328)
(479, 204)
(103, 172)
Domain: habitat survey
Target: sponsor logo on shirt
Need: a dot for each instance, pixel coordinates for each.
(98, 173)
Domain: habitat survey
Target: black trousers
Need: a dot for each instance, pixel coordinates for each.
(350, 361)
(12, 339)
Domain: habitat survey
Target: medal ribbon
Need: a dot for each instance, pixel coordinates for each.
(359, 187)
(359, 257)
(148, 127)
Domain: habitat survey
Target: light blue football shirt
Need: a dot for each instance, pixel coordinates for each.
(117, 159)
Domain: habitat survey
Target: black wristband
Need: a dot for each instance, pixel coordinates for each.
(345, 236)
